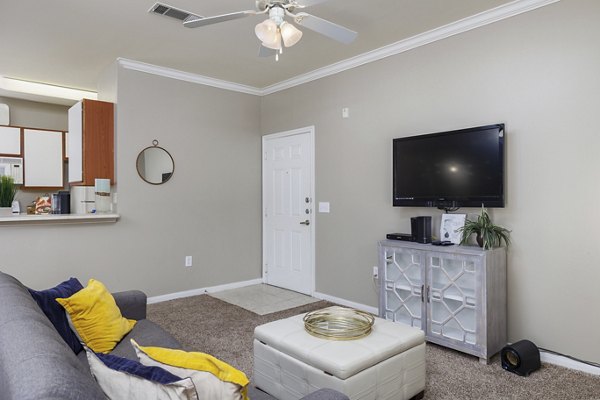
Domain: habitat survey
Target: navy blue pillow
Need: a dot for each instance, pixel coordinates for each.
(154, 374)
(56, 313)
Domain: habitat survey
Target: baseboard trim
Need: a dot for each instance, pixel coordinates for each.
(205, 290)
(545, 357)
(562, 361)
(347, 303)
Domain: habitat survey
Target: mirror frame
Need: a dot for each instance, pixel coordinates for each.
(154, 146)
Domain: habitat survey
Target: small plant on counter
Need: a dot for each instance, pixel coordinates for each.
(488, 234)
(8, 189)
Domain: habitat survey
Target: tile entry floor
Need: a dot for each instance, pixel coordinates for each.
(264, 299)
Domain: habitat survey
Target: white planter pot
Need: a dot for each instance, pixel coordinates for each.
(6, 212)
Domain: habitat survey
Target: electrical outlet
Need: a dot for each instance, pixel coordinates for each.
(376, 272)
(188, 261)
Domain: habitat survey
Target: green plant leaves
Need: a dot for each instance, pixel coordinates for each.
(8, 189)
(491, 235)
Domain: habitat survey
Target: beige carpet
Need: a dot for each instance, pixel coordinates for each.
(203, 323)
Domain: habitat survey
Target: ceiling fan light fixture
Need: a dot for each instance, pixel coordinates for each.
(267, 31)
(290, 34)
(275, 44)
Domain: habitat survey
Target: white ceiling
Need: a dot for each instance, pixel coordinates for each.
(70, 42)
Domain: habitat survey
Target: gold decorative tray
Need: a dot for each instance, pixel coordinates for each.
(339, 323)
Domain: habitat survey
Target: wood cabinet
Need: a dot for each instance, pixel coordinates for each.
(456, 294)
(91, 142)
(43, 158)
(10, 140)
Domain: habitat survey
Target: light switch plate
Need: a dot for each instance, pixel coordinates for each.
(323, 206)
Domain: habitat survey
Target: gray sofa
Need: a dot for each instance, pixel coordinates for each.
(36, 364)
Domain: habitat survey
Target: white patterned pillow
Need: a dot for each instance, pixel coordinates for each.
(122, 379)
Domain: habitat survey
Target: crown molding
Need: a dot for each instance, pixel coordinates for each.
(187, 76)
(499, 13)
(464, 25)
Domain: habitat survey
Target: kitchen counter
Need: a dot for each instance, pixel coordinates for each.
(25, 219)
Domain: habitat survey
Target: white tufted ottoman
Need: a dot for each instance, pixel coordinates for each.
(289, 363)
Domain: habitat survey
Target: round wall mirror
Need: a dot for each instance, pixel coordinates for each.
(155, 165)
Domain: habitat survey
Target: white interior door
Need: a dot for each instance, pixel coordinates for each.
(288, 223)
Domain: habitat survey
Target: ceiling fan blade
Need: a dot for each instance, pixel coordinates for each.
(308, 3)
(195, 22)
(266, 52)
(324, 27)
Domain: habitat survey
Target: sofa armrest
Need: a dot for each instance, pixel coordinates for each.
(132, 304)
(326, 394)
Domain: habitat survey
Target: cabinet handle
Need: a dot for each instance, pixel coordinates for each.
(422, 293)
(428, 294)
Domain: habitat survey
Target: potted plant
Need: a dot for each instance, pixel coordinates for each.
(488, 234)
(8, 189)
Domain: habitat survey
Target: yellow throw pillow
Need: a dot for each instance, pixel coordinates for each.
(96, 317)
(214, 379)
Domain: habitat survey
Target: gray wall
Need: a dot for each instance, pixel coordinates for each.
(210, 209)
(36, 115)
(538, 73)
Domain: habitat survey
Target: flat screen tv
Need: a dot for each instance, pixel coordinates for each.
(462, 168)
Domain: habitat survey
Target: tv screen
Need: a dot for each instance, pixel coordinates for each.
(462, 168)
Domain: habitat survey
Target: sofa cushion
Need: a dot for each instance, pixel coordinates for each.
(123, 379)
(96, 317)
(46, 300)
(35, 361)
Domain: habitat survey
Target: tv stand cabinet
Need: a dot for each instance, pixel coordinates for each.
(455, 294)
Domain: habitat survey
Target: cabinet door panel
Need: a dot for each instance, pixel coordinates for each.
(43, 158)
(455, 300)
(402, 283)
(75, 143)
(10, 140)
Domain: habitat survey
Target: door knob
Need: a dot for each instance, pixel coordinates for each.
(307, 222)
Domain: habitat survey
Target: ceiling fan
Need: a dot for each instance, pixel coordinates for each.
(275, 32)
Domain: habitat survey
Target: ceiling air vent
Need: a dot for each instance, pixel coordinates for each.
(169, 11)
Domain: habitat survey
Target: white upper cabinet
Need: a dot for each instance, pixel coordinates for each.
(75, 143)
(10, 140)
(43, 156)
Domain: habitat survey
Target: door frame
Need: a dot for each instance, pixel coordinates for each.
(310, 131)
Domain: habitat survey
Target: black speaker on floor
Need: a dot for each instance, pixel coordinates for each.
(521, 358)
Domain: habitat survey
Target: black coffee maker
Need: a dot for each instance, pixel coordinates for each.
(61, 202)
